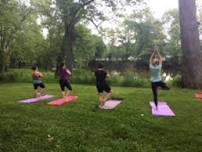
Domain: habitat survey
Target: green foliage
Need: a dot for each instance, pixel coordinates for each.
(129, 79)
(177, 81)
(25, 75)
(16, 76)
(173, 47)
(86, 46)
(71, 13)
(50, 21)
(141, 32)
(30, 44)
(79, 76)
(13, 14)
(136, 37)
(126, 79)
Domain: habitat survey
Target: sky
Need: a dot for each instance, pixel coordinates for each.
(159, 7)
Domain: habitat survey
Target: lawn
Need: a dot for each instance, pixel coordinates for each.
(80, 127)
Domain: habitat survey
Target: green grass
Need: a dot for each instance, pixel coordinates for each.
(79, 127)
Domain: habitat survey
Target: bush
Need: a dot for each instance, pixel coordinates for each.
(16, 76)
(49, 77)
(128, 79)
(24, 75)
(80, 76)
(177, 81)
(134, 80)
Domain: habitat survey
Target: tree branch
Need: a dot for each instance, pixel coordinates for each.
(76, 17)
(97, 26)
(86, 3)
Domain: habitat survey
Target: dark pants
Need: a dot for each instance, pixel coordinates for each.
(36, 85)
(103, 86)
(65, 83)
(155, 86)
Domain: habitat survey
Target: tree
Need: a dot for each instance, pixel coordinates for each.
(87, 46)
(192, 71)
(100, 48)
(72, 12)
(29, 45)
(173, 44)
(139, 34)
(13, 14)
(50, 20)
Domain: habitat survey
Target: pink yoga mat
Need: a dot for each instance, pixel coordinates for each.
(111, 104)
(163, 109)
(37, 99)
(62, 101)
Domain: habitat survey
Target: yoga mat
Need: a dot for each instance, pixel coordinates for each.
(198, 95)
(111, 104)
(163, 109)
(37, 99)
(62, 101)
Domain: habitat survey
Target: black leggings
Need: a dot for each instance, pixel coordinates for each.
(36, 85)
(155, 86)
(65, 83)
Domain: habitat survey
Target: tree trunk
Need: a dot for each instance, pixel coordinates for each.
(2, 68)
(192, 71)
(3, 63)
(67, 55)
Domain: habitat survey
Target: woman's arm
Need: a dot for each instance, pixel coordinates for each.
(68, 71)
(38, 74)
(151, 57)
(159, 55)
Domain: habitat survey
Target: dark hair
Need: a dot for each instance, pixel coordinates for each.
(34, 68)
(100, 66)
(61, 65)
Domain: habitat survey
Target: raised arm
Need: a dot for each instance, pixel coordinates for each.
(159, 56)
(68, 71)
(151, 57)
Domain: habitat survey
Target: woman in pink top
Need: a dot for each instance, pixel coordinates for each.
(64, 75)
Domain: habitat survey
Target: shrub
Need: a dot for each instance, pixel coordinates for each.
(80, 76)
(177, 81)
(129, 79)
(24, 75)
(14, 76)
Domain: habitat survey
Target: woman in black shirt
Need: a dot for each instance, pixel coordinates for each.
(104, 90)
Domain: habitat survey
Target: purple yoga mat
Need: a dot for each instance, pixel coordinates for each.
(163, 109)
(38, 99)
(111, 104)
